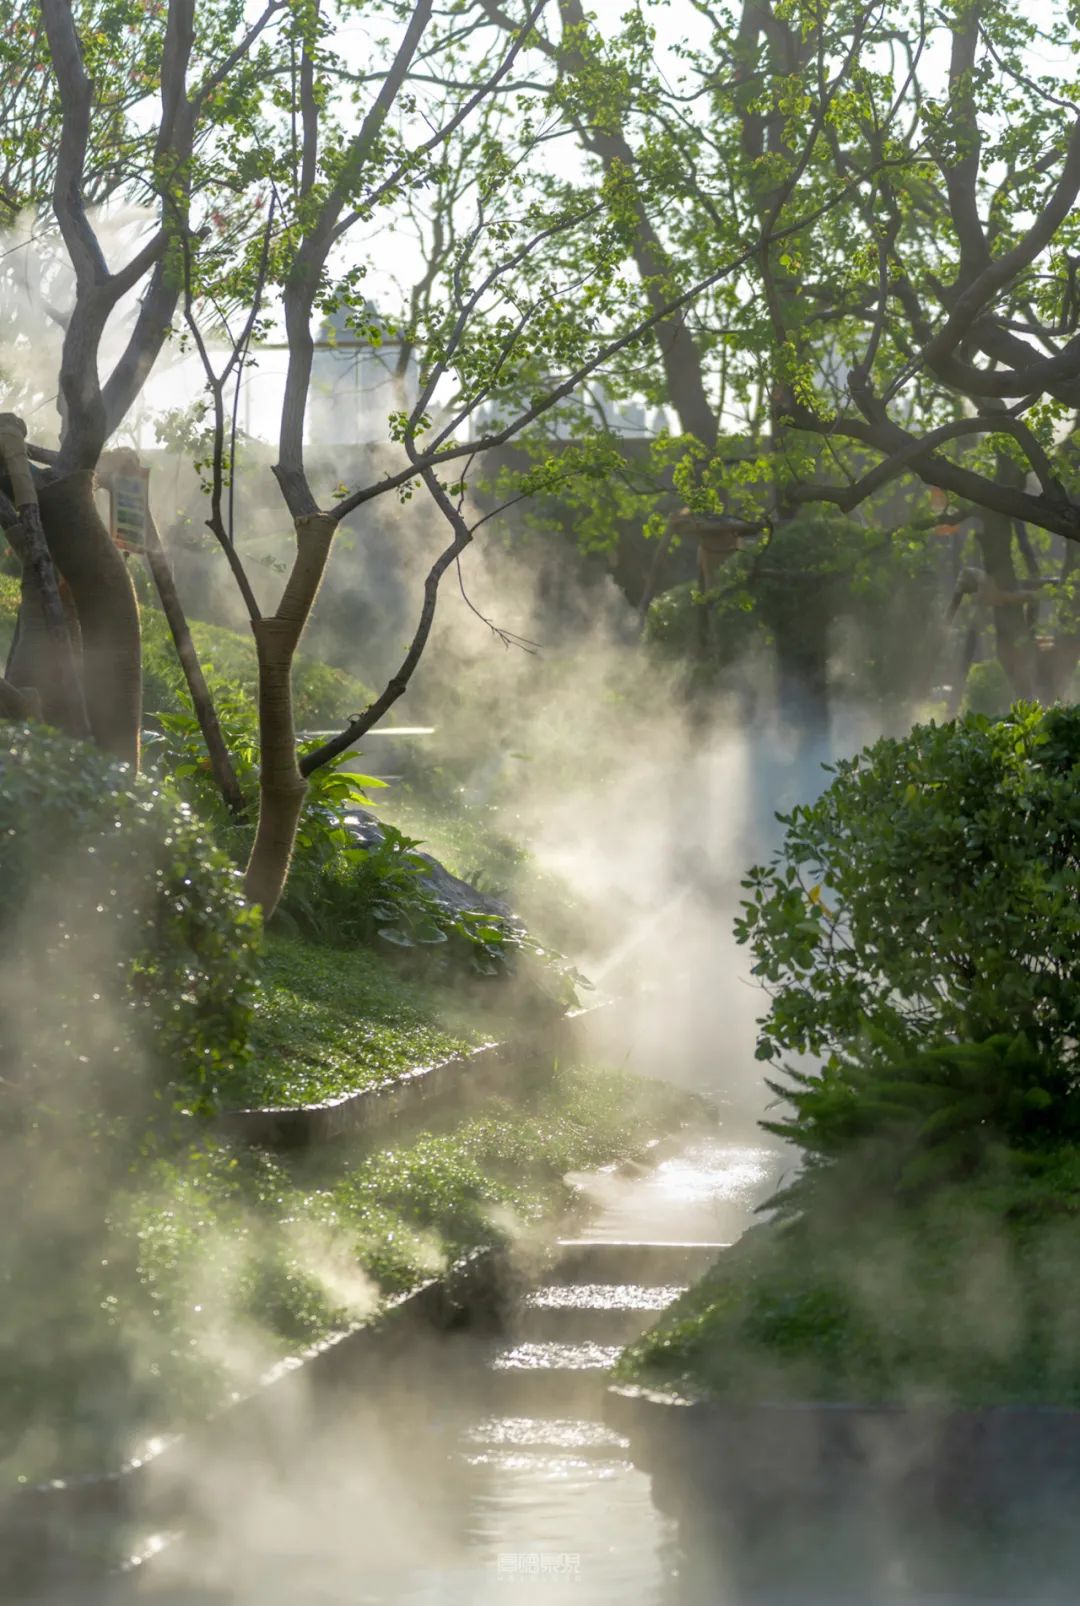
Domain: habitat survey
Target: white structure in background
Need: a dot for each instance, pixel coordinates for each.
(624, 417)
(355, 386)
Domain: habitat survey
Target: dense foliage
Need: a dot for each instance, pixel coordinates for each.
(906, 1123)
(930, 893)
(917, 931)
(128, 946)
(344, 892)
(821, 589)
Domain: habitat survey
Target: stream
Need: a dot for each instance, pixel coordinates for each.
(484, 1472)
(479, 1469)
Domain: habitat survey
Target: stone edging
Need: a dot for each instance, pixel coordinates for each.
(711, 1458)
(492, 1067)
(472, 1283)
(29, 1512)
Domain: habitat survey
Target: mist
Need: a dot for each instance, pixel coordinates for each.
(638, 805)
(642, 811)
(420, 1474)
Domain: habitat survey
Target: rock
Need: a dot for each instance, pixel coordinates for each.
(450, 890)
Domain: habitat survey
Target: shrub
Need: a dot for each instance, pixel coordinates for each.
(339, 891)
(987, 690)
(345, 893)
(906, 1123)
(178, 756)
(929, 895)
(126, 939)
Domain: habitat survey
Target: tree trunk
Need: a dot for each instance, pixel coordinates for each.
(1015, 647)
(47, 663)
(39, 659)
(281, 785)
(221, 764)
(802, 693)
(104, 598)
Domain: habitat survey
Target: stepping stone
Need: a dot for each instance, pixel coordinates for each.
(598, 1260)
(609, 1313)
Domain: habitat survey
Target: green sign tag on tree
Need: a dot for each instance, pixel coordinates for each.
(129, 495)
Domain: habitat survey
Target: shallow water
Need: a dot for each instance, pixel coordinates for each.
(450, 1489)
(706, 1193)
(455, 1487)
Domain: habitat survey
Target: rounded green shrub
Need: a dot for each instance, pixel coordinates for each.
(931, 894)
(987, 690)
(128, 951)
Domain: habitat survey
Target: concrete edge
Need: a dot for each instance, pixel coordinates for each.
(711, 1458)
(469, 1282)
(491, 1067)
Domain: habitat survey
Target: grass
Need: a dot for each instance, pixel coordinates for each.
(218, 1261)
(334, 1020)
(970, 1299)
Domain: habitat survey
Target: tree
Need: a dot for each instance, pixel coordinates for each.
(658, 144)
(908, 313)
(264, 166)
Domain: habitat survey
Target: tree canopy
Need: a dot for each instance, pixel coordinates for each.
(834, 241)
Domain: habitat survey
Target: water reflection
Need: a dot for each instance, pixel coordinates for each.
(705, 1193)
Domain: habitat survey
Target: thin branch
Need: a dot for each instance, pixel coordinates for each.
(398, 684)
(436, 458)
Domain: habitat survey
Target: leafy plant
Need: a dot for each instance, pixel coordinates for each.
(126, 937)
(179, 754)
(379, 893)
(906, 1122)
(932, 893)
(338, 890)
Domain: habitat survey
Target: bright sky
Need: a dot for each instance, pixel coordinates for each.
(394, 254)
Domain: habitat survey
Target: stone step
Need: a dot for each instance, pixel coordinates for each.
(607, 1313)
(550, 1439)
(600, 1260)
(550, 1379)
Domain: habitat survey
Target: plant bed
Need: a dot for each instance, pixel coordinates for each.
(923, 1353)
(902, 1340)
(807, 1436)
(332, 1022)
(459, 1081)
